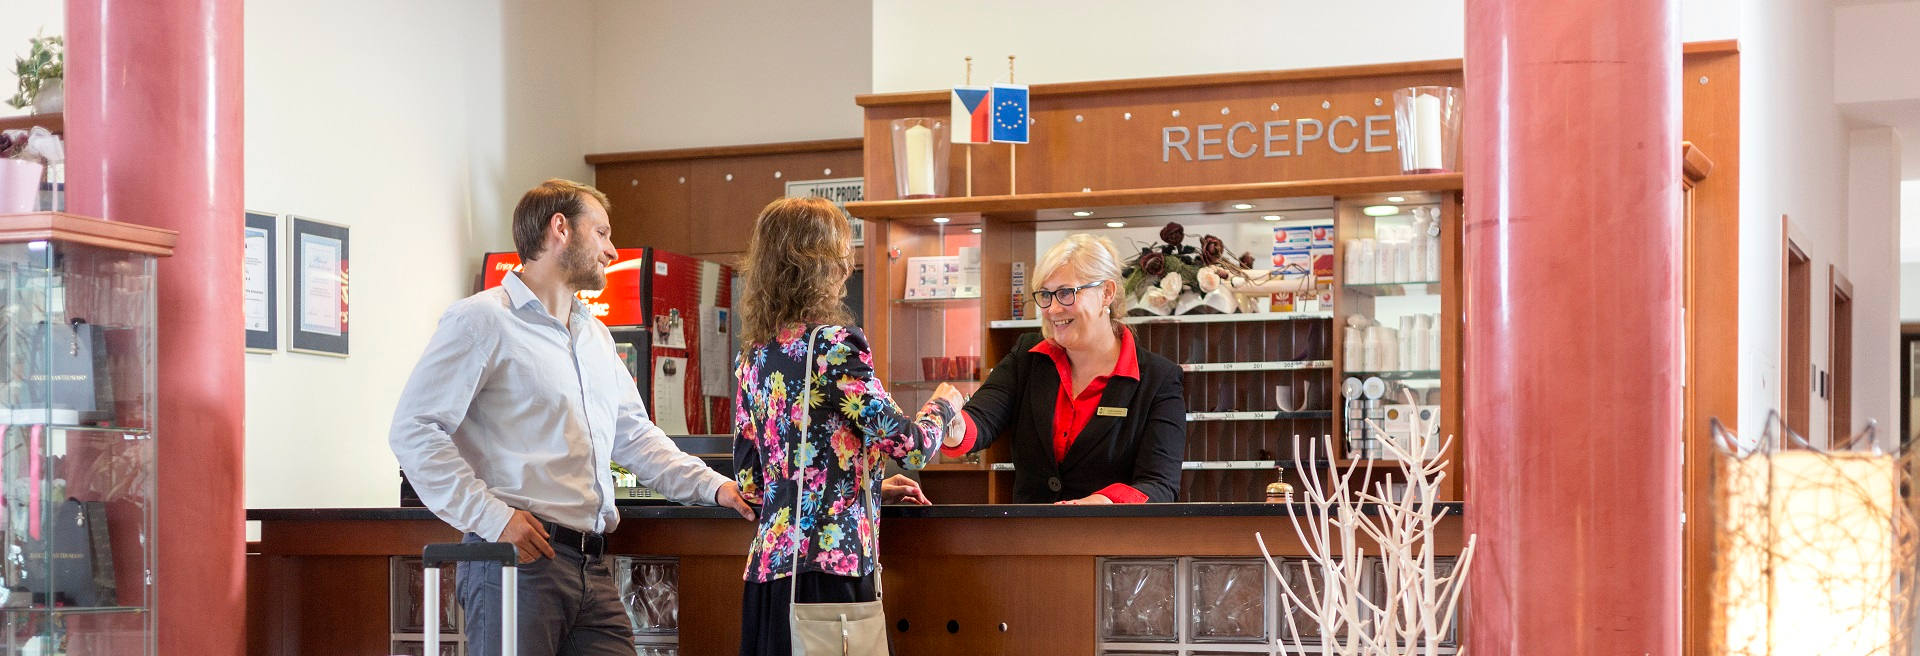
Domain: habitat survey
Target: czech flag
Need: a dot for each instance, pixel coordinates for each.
(971, 107)
(1009, 113)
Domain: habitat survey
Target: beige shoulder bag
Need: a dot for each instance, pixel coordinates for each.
(846, 629)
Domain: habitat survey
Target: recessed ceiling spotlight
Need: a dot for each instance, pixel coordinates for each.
(1271, 217)
(1380, 210)
(1243, 206)
(1116, 224)
(1083, 213)
(1396, 199)
(976, 231)
(941, 219)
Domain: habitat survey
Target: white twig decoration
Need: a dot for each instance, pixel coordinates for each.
(1417, 607)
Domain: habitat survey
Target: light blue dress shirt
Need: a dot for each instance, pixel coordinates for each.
(508, 408)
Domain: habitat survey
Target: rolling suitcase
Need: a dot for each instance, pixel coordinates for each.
(479, 552)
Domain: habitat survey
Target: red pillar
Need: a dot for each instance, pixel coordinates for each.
(153, 122)
(1571, 381)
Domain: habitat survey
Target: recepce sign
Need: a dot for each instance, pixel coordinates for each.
(1282, 138)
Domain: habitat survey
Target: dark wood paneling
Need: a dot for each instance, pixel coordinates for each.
(652, 203)
(318, 605)
(683, 201)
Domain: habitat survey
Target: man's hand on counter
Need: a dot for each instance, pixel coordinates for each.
(1095, 499)
(900, 489)
(729, 495)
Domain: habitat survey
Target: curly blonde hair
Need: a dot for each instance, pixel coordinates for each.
(796, 268)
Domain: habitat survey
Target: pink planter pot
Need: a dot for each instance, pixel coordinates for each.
(19, 185)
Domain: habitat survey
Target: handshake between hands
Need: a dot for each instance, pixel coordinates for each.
(900, 489)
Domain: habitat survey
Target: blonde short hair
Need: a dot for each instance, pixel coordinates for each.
(1091, 257)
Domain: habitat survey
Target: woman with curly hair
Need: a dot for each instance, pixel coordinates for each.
(812, 423)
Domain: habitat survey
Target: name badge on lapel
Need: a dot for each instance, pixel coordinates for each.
(1105, 411)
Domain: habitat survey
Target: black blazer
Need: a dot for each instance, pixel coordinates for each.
(1143, 449)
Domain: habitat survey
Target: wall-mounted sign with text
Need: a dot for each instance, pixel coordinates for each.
(839, 190)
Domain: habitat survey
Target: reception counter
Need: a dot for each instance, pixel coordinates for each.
(960, 579)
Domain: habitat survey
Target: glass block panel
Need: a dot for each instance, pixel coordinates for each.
(1137, 653)
(650, 589)
(1295, 573)
(409, 605)
(1227, 601)
(658, 650)
(1137, 601)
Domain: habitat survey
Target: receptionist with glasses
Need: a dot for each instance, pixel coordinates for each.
(1092, 417)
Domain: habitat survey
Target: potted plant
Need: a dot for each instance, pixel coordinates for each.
(40, 73)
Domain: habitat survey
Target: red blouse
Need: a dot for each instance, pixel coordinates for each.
(1071, 412)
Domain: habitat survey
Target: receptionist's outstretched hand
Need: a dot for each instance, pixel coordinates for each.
(954, 399)
(1095, 499)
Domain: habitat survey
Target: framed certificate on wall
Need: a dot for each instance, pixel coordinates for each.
(318, 322)
(260, 271)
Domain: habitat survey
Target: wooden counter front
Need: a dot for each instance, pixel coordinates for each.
(317, 579)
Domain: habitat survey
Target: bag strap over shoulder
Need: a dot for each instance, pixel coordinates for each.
(799, 480)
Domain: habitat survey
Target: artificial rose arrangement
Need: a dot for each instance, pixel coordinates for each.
(1173, 276)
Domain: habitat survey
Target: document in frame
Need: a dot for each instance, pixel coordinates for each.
(257, 277)
(320, 297)
(670, 394)
(716, 369)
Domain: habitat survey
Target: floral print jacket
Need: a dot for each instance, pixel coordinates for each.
(852, 422)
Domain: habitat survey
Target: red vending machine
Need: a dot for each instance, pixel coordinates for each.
(672, 323)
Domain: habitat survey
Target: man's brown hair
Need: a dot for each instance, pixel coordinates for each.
(564, 197)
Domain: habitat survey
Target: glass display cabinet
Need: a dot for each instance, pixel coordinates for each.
(76, 434)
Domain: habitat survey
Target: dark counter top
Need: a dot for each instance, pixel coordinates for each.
(954, 511)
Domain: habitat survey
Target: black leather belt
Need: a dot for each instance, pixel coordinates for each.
(588, 544)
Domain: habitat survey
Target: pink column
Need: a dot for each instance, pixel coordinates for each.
(154, 126)
(1572, 381)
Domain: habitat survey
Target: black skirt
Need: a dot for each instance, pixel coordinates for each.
(764, 611)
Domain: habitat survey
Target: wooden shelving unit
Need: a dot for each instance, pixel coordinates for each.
(55, 123)
(1237, 423)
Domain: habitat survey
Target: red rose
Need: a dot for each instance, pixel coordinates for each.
(1246, 260)
(1211, 249)
(1154, 264)
(1173, 234)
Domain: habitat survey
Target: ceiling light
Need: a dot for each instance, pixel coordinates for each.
(940, 219)
(1271, 217)
(976, 231)
(1116, 224)
(1243, 206)
(1083, 213)
(1396, 199)
(1380, 210)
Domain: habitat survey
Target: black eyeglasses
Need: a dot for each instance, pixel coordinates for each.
(1044, 298)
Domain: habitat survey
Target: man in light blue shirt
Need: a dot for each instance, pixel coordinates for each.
(510, 418)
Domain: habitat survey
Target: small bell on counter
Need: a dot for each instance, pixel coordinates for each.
(1280, 491)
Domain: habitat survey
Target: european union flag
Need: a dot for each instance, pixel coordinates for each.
(1009, 113)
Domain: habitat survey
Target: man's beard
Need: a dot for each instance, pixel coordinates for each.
(582, 269)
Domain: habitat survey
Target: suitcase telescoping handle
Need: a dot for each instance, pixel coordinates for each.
(436, 555)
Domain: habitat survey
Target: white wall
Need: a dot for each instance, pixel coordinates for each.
(919, 45)
(23, 20)
(674, 74)
(1910, 291)
(1875, 60)
(1873, 266)
(1793, 162)
(417, 124)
